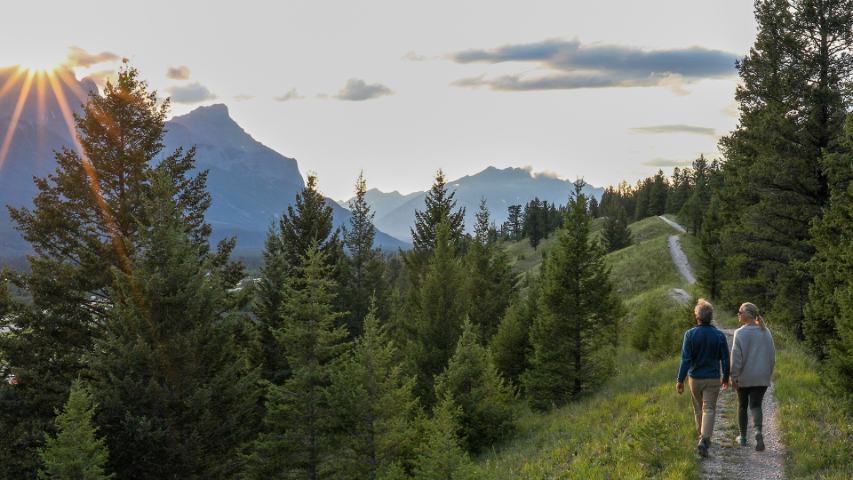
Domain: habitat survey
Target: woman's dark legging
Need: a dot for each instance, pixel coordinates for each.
(750, 397)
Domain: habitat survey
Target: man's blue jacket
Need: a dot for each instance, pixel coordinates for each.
(702, 352)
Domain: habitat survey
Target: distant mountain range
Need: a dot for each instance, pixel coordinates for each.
(250, 184)
(395, 212)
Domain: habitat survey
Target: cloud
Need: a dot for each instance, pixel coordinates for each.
(101, 76)
(243, 97)
(190, 93)
(181, 72)
(357, 90)
(667, 162)
(77, 57)
(292, 94)
(573, 65)
(413, 56)
(678, 128)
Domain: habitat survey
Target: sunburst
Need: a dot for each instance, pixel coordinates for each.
(53, 76)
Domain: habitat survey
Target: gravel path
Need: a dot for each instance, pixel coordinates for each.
(673, 224)
(677, 253)
(727, 459)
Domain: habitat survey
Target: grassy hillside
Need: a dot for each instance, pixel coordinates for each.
(635, 426)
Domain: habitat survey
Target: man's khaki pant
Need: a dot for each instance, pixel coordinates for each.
(704, 392)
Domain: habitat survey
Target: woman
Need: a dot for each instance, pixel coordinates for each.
(753, 359)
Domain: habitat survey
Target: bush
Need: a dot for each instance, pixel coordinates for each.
(659, 327)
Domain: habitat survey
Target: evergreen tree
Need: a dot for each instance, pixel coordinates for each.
(510, 346)
(374, 407)
(176, 396)
(535, 222)
(658, 192)
(712, 260)
(641, 199)
(365, 275)
(514, 222)
(441, 456)
(792, 105)
(594, 211)
(829, 315)
(491, 281)
(575, 329)
(307, 222)
(86, 221)
(697, 203)
(297, 439)
(440, 207)
(473, 382)
(616, 234)
(439, 314)
(76, 452)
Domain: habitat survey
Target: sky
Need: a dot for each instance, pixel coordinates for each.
(605, 90)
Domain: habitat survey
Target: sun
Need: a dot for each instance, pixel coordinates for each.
(43, 61)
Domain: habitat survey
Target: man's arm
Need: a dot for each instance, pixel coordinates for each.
(686, 358)
(724, 357)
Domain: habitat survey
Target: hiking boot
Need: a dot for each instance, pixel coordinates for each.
(702, 448)
(741, 440)
(759, 442)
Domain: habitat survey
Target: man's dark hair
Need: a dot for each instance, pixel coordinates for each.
(704, 311)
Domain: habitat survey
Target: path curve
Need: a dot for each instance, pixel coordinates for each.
(678, 256)
(727, 459)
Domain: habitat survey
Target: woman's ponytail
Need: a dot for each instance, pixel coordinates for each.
(760, 320)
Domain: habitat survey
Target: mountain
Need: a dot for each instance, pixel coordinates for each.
(250, 184)
(40, 129)
(395, 213)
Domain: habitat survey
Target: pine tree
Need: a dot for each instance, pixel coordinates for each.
(176, 396)
(616, 235)
(441, 456)
(439, 314)
(374, 407)
(574, 332)
(712, 261)
(491, 281)
(85, 222)
(510, 346)
(658, 192)
(828, 321)
(514, 221)
(440, 207)
(76, 452)
(473, 382)
(365, 275)
(792, 105)
(307, 222)
(297, 440)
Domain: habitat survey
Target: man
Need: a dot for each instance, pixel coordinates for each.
(703, 351)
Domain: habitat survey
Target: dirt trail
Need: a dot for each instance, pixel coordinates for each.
(678, 256)
(727, 459)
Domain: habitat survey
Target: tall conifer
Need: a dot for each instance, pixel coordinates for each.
(575, 329)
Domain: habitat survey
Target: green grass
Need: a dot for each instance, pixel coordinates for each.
(643, 266)
(817, 427)
(634, 427)
(648, 228)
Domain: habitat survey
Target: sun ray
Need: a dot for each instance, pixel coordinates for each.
(16, 115)
(104, 119)
(94, 184)
(11, 81)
